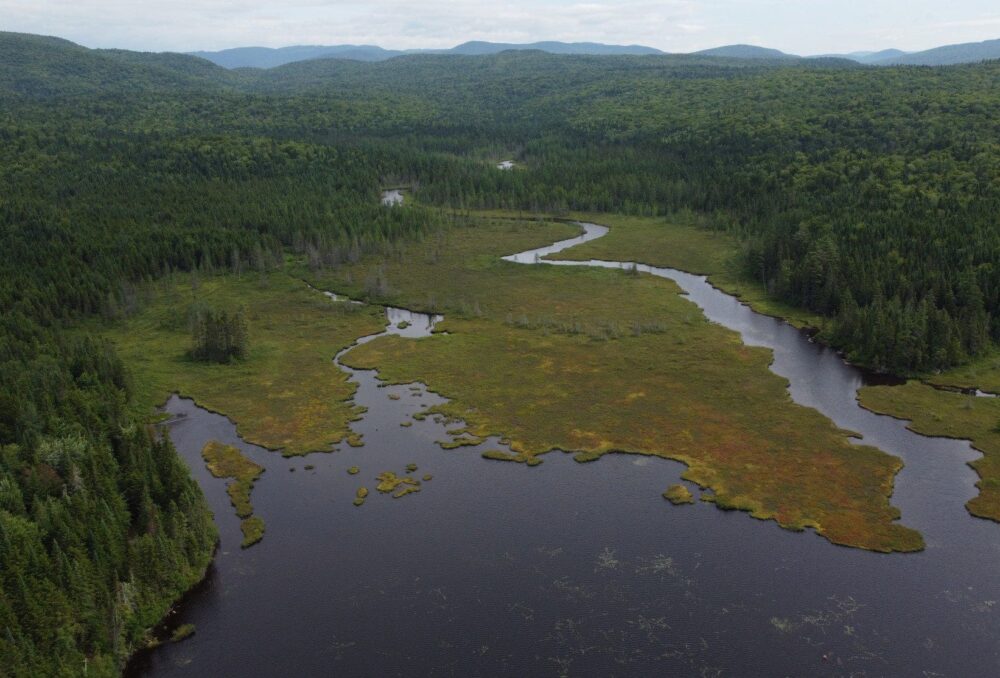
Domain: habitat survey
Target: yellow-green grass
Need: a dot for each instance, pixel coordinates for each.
(360, 496)
(253, 530)
(954, 415)
(226, 461)
(557, 358)
(390, 482)
(288, 394)
(678, 494)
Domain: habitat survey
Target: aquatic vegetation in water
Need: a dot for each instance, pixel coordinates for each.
(360, 496)
(354, 470)
(410, 468)
(181, 632)
(389, 482)
(394, 396)
(427, 478)
(678, 494)
(607, 560)
(406, 424)
(405, 491)
(462, 441)
(354, 440)
(498, 455)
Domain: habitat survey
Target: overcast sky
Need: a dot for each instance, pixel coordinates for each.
(796, 26)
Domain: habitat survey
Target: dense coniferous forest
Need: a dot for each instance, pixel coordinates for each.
(868, 196)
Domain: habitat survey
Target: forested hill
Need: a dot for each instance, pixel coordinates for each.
(868, 195)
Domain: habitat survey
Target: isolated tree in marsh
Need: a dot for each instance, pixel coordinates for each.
(219, 336)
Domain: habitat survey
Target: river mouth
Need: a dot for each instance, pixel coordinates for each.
(567, 569)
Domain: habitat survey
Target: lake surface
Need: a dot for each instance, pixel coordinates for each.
(498, 569)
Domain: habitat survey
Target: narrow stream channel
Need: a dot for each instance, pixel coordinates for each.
(497, 569)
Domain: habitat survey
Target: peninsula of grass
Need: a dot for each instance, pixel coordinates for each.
(226, 461)
(287, 394)
(949, 414)
(678, 494)
(596, 361)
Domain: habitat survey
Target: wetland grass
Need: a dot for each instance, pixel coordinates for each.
(692, 392)
(287, 394)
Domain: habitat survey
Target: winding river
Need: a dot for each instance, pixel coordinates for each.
(500, 569)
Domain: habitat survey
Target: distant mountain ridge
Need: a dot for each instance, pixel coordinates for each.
(552, 47)
(267, 57)
(947, 55)
(746, 52)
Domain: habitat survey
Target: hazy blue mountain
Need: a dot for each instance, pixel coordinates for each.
(868, 57)
(875, 57)
(746, 52)
(478, 47)
(969, 52)
(266, 57)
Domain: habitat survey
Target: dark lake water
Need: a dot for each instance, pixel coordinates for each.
(498, 569)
